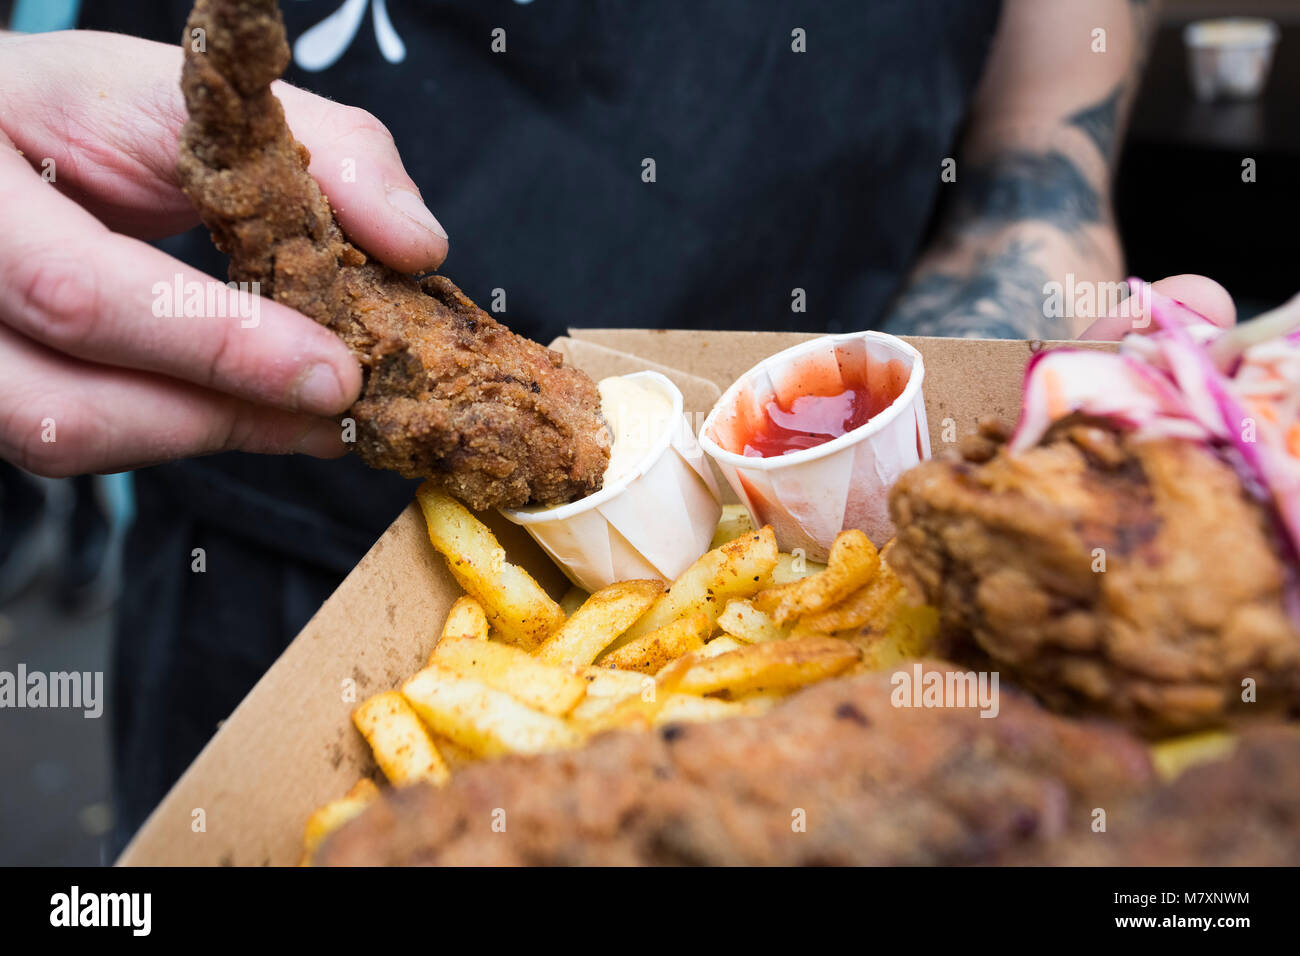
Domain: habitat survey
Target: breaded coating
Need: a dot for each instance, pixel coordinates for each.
(835, 775)
(1241, 810)
(450, 393)
(1135, 579)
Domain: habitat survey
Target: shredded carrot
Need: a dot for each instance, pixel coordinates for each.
(1293, 440)
(1056, 406)
(1264, 411)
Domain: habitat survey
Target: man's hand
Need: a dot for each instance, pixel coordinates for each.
(93, 379)
(1030, 206)
(1196, 292)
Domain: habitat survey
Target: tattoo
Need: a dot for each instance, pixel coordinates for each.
(1002, 298)
(1099, 121)
(1018, 185)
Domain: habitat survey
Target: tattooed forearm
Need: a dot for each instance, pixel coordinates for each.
(1019, 185)
(1099, 121)
(1031, 198)
(1002, 297)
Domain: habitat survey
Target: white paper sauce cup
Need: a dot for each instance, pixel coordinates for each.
(810, 496)
(654, 522)
(1229, 58)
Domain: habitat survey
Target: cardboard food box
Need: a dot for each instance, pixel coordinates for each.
(290, 745)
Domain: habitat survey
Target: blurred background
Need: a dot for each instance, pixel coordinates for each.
(1177, 193)
(1180, 209)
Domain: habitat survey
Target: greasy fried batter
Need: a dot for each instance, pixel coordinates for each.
(1108, 575)
(835, 775)
(450, 393)
(1243, 810)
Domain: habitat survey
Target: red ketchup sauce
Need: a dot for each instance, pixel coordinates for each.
(822, 406)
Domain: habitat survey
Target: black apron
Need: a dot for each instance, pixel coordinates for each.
(774, 170)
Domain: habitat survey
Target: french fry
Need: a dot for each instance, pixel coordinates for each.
(1172, 756)
(746, 563)
(552, 690)
(737, 569)
(453, 753)
(608, 682)
(722, 644)
(747, 623)
(640, 710)
(483, 720)
(573, 599)
(853, 561)
(776, 665)
(873, 602)
(466, 618)
(649, 653)
(688, 708)
(592, 627)
(589, 712)
(759, 702)
(907, 635)
(790, 568)
(325, 820)
(401, 744)
(513, 602)
(735, 521)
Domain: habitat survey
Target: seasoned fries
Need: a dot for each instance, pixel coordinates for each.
(743, 621)
(735, 521)
(689, 709)
(868, 603)
(649, 653)
(722, 644)
(552, 690)
(515, 672)
(737, 569)
(465, 619)
(604, 616)
(641, 710)
(853, 561)
(790, 568)
(514, 603)
(573, 599)
(1171, 757)
(778, 665)
(609, 682)
(334, 814)
(402, 746)
(486, 721)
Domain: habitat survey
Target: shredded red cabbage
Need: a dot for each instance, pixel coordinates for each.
(1167, 384)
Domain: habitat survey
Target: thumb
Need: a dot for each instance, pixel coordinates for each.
(1198, 293)
(354, 159)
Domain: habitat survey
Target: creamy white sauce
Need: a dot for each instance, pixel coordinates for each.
(637, 414)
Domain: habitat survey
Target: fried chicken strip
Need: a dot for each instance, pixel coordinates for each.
(1243, 810)
(1109, 575)
(450, 393)
(835, 775)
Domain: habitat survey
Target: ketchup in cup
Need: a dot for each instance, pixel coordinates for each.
(818, 407)
(812, 438)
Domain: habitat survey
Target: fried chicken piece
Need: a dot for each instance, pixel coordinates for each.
(1243, 810)
(1136, 579)
(872, 784)
(450, 393)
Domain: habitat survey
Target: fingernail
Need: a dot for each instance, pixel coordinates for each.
(324, 439)
(413, 207)
(320, 391)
